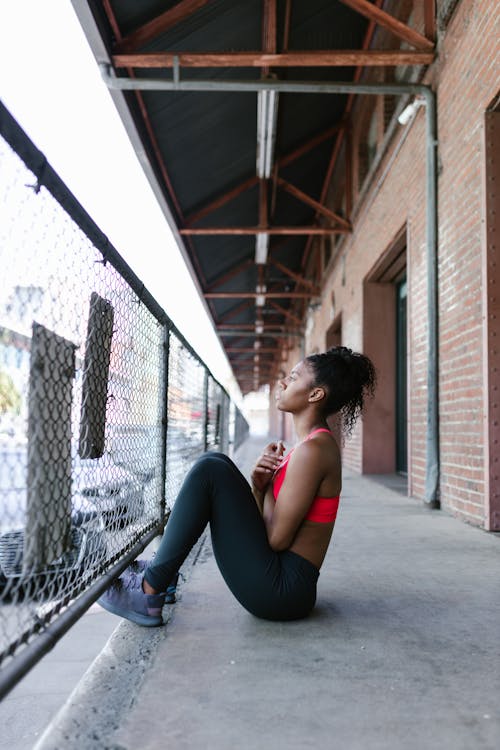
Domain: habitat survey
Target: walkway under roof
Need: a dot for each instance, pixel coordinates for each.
(257, 185)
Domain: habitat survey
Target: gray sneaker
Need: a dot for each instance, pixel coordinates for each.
(126, 598)
(140, 565)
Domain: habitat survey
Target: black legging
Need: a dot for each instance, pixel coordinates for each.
(271, 585)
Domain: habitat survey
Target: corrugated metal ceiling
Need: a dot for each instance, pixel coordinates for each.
(202, 147)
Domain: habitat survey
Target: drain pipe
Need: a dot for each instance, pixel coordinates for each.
(391, 89)
(432, 468)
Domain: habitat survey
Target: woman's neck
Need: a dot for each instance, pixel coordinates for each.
(305, 424)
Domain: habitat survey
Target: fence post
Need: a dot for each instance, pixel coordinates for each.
(164, 421)
(205, 411)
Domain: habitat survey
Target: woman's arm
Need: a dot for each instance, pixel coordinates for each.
(307, 467)
(264, 468)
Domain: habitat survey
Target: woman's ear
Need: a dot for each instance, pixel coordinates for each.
(317, 394)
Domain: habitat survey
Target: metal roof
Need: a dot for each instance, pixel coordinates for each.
(200, 146)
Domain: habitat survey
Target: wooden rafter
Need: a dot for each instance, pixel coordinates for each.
(265, 60)
(242, 349)
(221, 200)
(269, 27)
(295, 276)
(430, 19)
(288, 315)
(245, 231)
(307, 146)
(268, 333)
(320, 208)
(284, 161)
(381, 17)
(250, 327)
(254, 295)
(230, 314)
(235, 271)
(286, 25)
(318, 59)
(338, 141)
(246, 355)
(165, 21)
(266, 361)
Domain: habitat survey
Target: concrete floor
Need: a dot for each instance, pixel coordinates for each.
(401, 652)
(30, 706)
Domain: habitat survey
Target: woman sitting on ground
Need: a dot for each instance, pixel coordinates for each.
(269, 540)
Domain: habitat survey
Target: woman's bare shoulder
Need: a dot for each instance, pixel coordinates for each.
(321, 450)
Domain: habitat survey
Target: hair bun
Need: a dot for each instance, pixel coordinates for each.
(348, 376)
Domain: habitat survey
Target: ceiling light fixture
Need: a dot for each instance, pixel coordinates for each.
(260, 299)
(410, 111)
(267, 118)
(261, 247)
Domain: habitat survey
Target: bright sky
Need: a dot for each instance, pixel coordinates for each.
(50, 82)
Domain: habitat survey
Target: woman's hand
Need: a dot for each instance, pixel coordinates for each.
(266, 465)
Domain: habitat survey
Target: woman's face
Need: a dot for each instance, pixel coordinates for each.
(293, 390)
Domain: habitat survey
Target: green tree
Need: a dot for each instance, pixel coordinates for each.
(10, 398)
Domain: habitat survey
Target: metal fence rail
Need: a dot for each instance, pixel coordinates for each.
(103, 408)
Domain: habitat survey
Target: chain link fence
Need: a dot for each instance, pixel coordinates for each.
(103, 408)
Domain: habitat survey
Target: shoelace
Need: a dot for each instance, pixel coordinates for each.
(131, 581)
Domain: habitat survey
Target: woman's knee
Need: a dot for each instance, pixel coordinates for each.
(211, 458)
(213, 461)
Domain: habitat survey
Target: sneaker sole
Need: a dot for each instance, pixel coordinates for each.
(147, 621)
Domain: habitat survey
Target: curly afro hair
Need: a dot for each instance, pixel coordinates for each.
(348, 378)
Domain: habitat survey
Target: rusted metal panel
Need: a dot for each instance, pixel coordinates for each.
(48, 513)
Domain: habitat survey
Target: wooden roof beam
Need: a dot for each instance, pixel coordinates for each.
(430, 19)
(273, 335)
(248, 329)
(320, 208)
(305, 59)
(288, 315)
(400, 29)
(301, 150)
(230, 274)
(269, 30)
(230, 314)
(295, 276)
(261, 350)
(254, 295)
(246, 231)
(165, 21)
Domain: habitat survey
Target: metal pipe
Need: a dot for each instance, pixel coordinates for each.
(47, 639)
(286, 87)
(391, 89)
(432, 433)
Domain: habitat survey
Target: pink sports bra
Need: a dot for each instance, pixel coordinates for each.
(323, 509)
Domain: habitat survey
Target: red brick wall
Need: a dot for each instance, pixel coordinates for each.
(466, 81)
